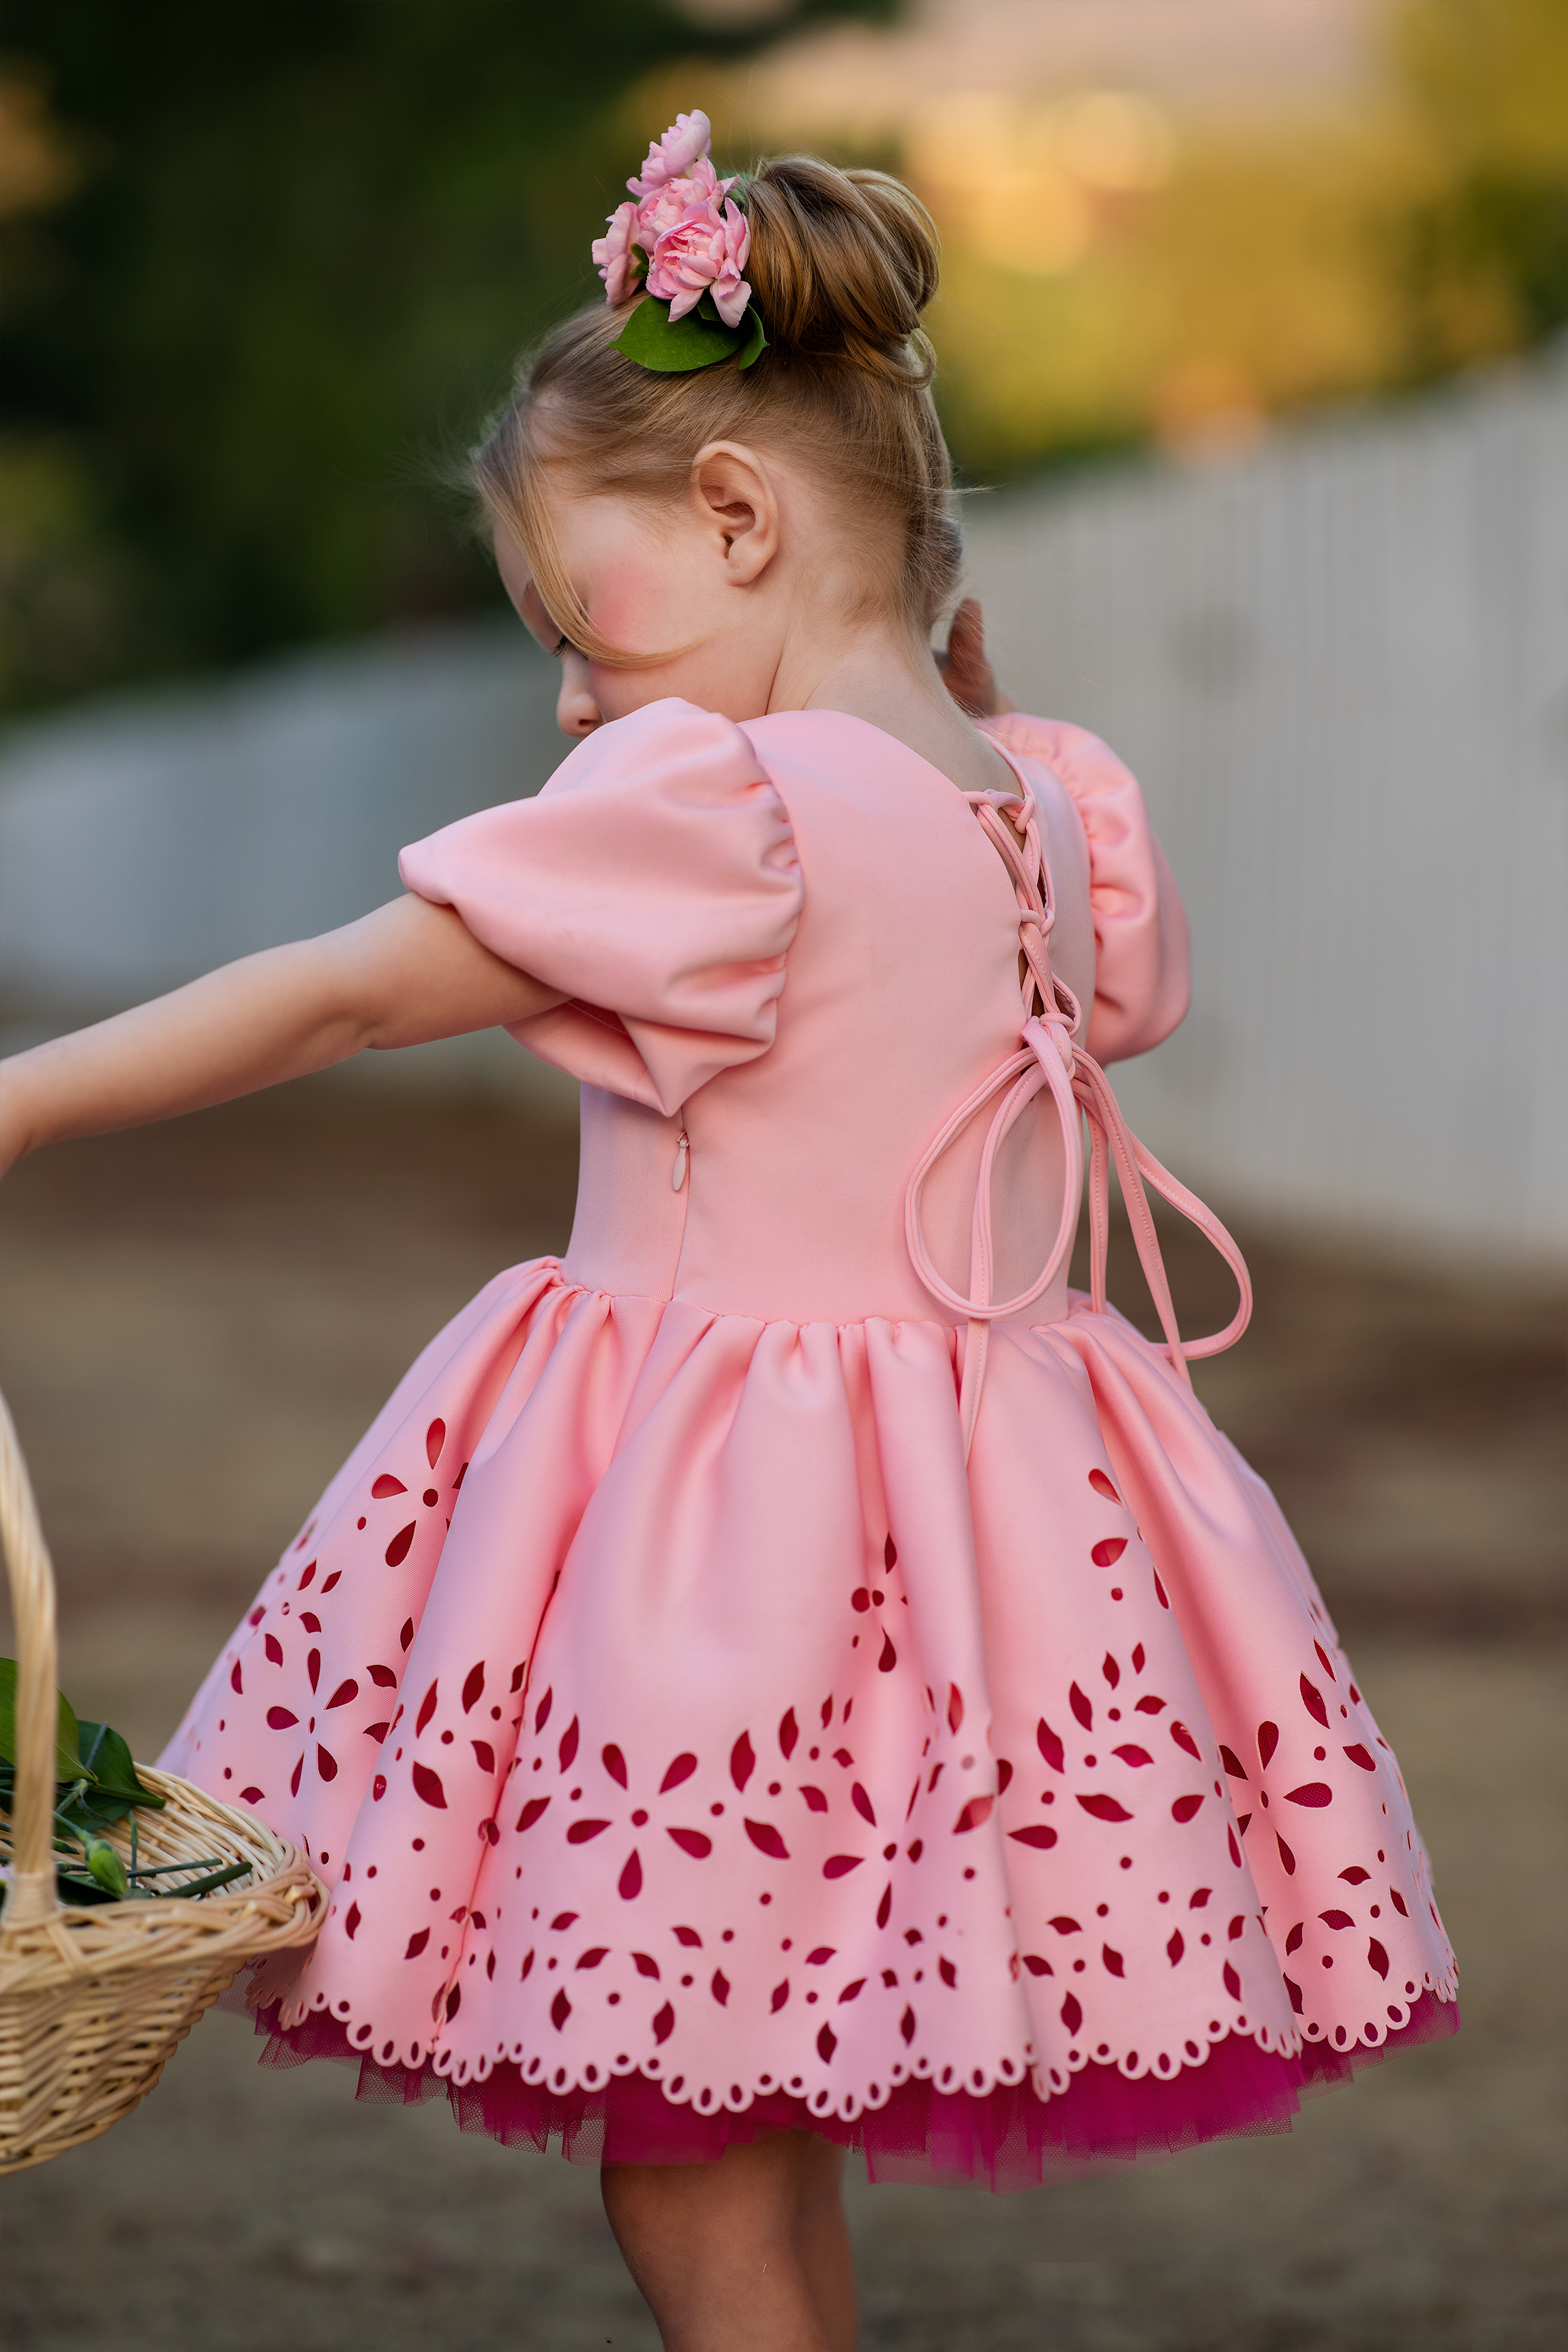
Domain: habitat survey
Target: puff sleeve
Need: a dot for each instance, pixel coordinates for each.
(1143, 975)
(655, 879)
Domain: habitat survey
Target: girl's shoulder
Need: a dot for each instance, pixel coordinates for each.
(653, 880)
(667, 743)
(1106, 792)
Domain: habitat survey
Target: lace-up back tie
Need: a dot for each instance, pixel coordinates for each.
(1050, 1058)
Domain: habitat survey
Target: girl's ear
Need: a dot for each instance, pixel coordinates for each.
(736, 502)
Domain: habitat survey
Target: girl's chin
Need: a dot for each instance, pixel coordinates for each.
(620, 692)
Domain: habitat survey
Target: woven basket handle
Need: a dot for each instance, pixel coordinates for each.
(31, 1895)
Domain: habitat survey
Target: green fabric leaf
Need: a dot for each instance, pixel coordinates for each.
(755, 342)
(67, 1750)
(682, 346)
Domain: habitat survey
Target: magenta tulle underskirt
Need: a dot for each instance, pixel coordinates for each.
(1007, 2139)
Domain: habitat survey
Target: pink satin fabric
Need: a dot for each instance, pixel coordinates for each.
(700, 1685)
(694, 895)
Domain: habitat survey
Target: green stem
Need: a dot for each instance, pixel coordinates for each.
(219, 1878)
(162, 1869)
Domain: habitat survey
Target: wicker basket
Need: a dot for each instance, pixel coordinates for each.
(93, 2001)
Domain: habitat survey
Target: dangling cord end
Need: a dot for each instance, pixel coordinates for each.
(1100, 1104)
(1099, 1191)
(976, 1347)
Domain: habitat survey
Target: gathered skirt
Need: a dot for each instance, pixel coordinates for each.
(696, 1744)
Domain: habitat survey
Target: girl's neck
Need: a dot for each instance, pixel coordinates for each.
(889, 677)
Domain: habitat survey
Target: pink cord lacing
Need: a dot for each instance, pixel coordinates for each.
(1050, 1056)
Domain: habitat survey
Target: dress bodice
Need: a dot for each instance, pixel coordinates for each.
(791, 951)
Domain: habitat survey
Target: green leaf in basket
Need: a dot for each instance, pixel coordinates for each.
(81, 1894)
(84, 1813)
(105, 1755)
(68, 1751)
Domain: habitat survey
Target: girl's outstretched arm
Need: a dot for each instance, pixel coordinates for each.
(407, 974)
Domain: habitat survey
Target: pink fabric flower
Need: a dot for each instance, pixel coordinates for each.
(619, 267)
(673, 157)
(668, 205)
(704, 252)
(681, 213)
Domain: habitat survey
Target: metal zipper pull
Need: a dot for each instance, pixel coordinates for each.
(677, 1173)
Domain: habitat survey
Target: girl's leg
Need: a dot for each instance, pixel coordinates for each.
(747, 2254)
(822, 2240)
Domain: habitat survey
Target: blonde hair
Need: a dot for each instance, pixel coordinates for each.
(841, 265)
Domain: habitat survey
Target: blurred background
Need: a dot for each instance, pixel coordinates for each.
(1253, 354)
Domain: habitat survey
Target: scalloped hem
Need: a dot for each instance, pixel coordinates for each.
(1009, 2139)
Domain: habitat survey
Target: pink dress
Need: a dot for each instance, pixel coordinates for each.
(790, 1661)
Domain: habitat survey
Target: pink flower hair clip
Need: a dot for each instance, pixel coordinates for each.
(684, 241)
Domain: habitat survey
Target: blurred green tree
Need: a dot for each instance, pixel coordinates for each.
(259, 261)
(1485, 247)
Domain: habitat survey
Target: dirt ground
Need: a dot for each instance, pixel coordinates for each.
(196, 1323)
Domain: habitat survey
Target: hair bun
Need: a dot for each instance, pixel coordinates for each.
(842, 264)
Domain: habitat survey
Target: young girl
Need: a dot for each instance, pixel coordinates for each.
(789, 1677)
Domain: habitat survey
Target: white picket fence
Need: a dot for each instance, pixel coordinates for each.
(1339, 666)
(145, 837)
(1340, 670)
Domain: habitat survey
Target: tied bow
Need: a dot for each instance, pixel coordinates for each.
(1051, 1058)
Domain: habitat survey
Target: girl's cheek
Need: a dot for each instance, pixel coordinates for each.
(632, 613)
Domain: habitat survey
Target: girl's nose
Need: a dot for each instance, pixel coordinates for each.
(576, 712)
